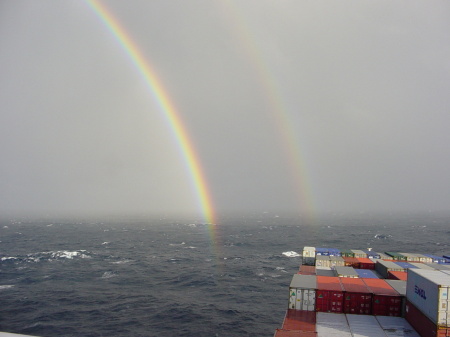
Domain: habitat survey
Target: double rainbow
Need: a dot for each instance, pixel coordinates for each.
(166, 107)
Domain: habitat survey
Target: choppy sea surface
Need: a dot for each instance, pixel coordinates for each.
(177, 278)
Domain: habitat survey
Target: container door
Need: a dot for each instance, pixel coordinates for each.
(300, 299)
(312, 300)
(292, 298)
(444, 303)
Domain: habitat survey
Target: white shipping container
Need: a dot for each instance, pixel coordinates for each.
(364, 326)
(396, 326)
(359, 253)
(424, 258)
(302, 292)
(332, 325)
(323, 261)
(419, 265)
(383, 267)
(429, 290)
(411, 257)
(309, 255)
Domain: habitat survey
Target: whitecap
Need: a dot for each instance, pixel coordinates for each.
(108, 274)
(291, 254)
(6, 286)
(105, 243)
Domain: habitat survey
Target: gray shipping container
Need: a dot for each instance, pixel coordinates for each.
(421, 266)
(323, 261)
(336, 261)
(359, 253)
(383, 267)
(364, 326)
(324, 271)
(302, 292)
(396, 326)
(429, 290)
(346, 272)
(332, 325)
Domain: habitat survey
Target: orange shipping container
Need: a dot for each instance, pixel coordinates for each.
(299, 320)
(365, 263)
(357, 297)
(351, 262)
(398, 275)
(385, 300)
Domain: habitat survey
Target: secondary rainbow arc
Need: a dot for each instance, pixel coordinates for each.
(166, 107)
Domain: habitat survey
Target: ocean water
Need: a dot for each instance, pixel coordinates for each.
(173, 278)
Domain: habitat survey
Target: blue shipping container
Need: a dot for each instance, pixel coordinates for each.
(366, 273)
(322, 251)
(436, 259)
(371, 254)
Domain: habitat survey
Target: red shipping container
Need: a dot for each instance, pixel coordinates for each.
(329, 295)
(365, 263)
(299, 320)
(386, 301)
(351, 262)
(357, 297)
(307, 270)
(294, 333)
(398, 275)
(422, 324)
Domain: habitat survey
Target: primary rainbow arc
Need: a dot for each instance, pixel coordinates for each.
(166, 106)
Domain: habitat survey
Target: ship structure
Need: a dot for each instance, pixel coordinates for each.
(361, 293)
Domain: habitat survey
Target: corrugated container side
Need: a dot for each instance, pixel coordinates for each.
(357, 297)
(359, 253)
(429, 291)
(396, 256)
(424, 258)
(410, 257)
(336, 261)
(346, 272)
(347, 253)
(351, 262)
(323, 261)
(396, 326)
(307, 270)
(364, 326)
(422, 324)
(321, 251)
(302, 292)
(299, 320)
(329, 295)
(385, 300)
(383, 267)
(366, 263)
(366, 273)
(398, 275)
(332, 325)
(400, 287)
(435, 258)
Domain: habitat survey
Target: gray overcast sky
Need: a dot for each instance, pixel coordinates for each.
(357, 91)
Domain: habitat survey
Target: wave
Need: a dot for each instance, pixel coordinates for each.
(291, 254)
(6, 286)
(48, 256)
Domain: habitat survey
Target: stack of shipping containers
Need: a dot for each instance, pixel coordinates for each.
(370, 300)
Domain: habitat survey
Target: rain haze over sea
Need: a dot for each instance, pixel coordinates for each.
(202, 144)
(159, 277)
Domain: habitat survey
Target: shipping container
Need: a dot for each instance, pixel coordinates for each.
(351, 262)
(396, 326)
(307, 270)
(365, 263)
(357, 297)
(364, 326)
(366, 273)
(383, 267)
(422, 324)
(424, 258)
(359, 253)
(410, 257)
(384, 256)
(322, 252)
(334, 252)
(438, 266)
(325, 271)
(329, 295)
(309, 255)
(302, 292)
(429, 290)
(446, 257)
(405, 265)
(347, 253)
(294, 333)
(420, 265)
(336, 261)
(400, 287)
(372, 254)
(436, 259)
(323, 261)
(397, 275)
(299, 320)
(332, 325)
(385, 300)
(396, 256)
(346, 272)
